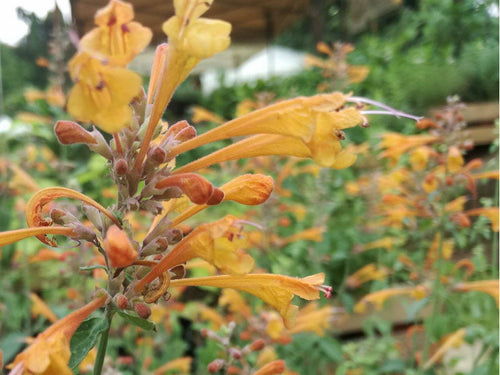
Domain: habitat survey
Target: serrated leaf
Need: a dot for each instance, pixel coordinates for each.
(138, 322)
(85, 338)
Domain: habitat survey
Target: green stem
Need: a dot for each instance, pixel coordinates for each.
(437, 287)
(103, 342)
(494, 249)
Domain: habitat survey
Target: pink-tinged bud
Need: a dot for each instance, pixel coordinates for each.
(215, 366)
(121, 167)
(142, 310)
(257, 345)
(158, 155)
(181, 131)
(235, 353)
(121, 301)
(69, 132)
(119, 249)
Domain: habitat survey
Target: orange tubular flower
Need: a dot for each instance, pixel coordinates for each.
(453, 340)
(12, 236)
(116, 38)
(365, 274)
(485, 286)
(235, 303)
(489, 212)
(272, 368)
(248, 189)
(49, 353)
(191, 39)
(102, 93)
(119, 249)
(218, 243)
(34, 210)
(182, 365)
(40, 308)
(276, 290)
(378, 298)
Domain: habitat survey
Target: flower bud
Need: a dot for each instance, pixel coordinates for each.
(142, 310)
(216, 365)
(69, 132)
(235, 353)
(120, 167)
(257, 345)
(119, 249)
(121, 301)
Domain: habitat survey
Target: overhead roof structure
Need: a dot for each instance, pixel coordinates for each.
(252, 20)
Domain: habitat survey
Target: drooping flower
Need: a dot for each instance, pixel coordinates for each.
(102, 93)
(49, 353)
(117, 38)
(276, 290)
(486, 286)
(454, 339)
(218, 243)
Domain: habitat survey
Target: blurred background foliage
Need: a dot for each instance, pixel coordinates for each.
(417, 56)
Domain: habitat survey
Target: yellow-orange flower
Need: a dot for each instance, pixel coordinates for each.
(181, 365)
(49, 353)
(235, 303)
(485, 286)
(117, 38)
(454, 339)
(276, 290)
(102, 93)
(365, 274)
(40, 308)
(455, 160)
(378, 298)
(490, 212)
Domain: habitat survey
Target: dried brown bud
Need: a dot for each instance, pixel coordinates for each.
(69, 132)
(142, 310)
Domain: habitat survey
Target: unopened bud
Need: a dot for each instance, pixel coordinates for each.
(235, 353)
(158, 155)
(216, 197)
(121, 301)
(174, 235)
(119, 249)
(142, 310)
(121, 167)
(94, 215)
(215, 366)
(69, 132)
(101, 146)
(61, 217)
(83, 232)
(181, 131)
(257, 345)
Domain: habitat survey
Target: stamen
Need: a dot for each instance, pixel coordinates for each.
(256, 225)
(326, 289)
(390, 110)
(390, 113)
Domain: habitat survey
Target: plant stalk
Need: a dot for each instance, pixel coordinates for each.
(103, 341)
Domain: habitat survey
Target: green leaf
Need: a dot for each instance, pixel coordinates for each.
(85, 338)
(91, 268)
(138, 322)
(332, 350)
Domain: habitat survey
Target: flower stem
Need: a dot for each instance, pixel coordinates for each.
(103, 342)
